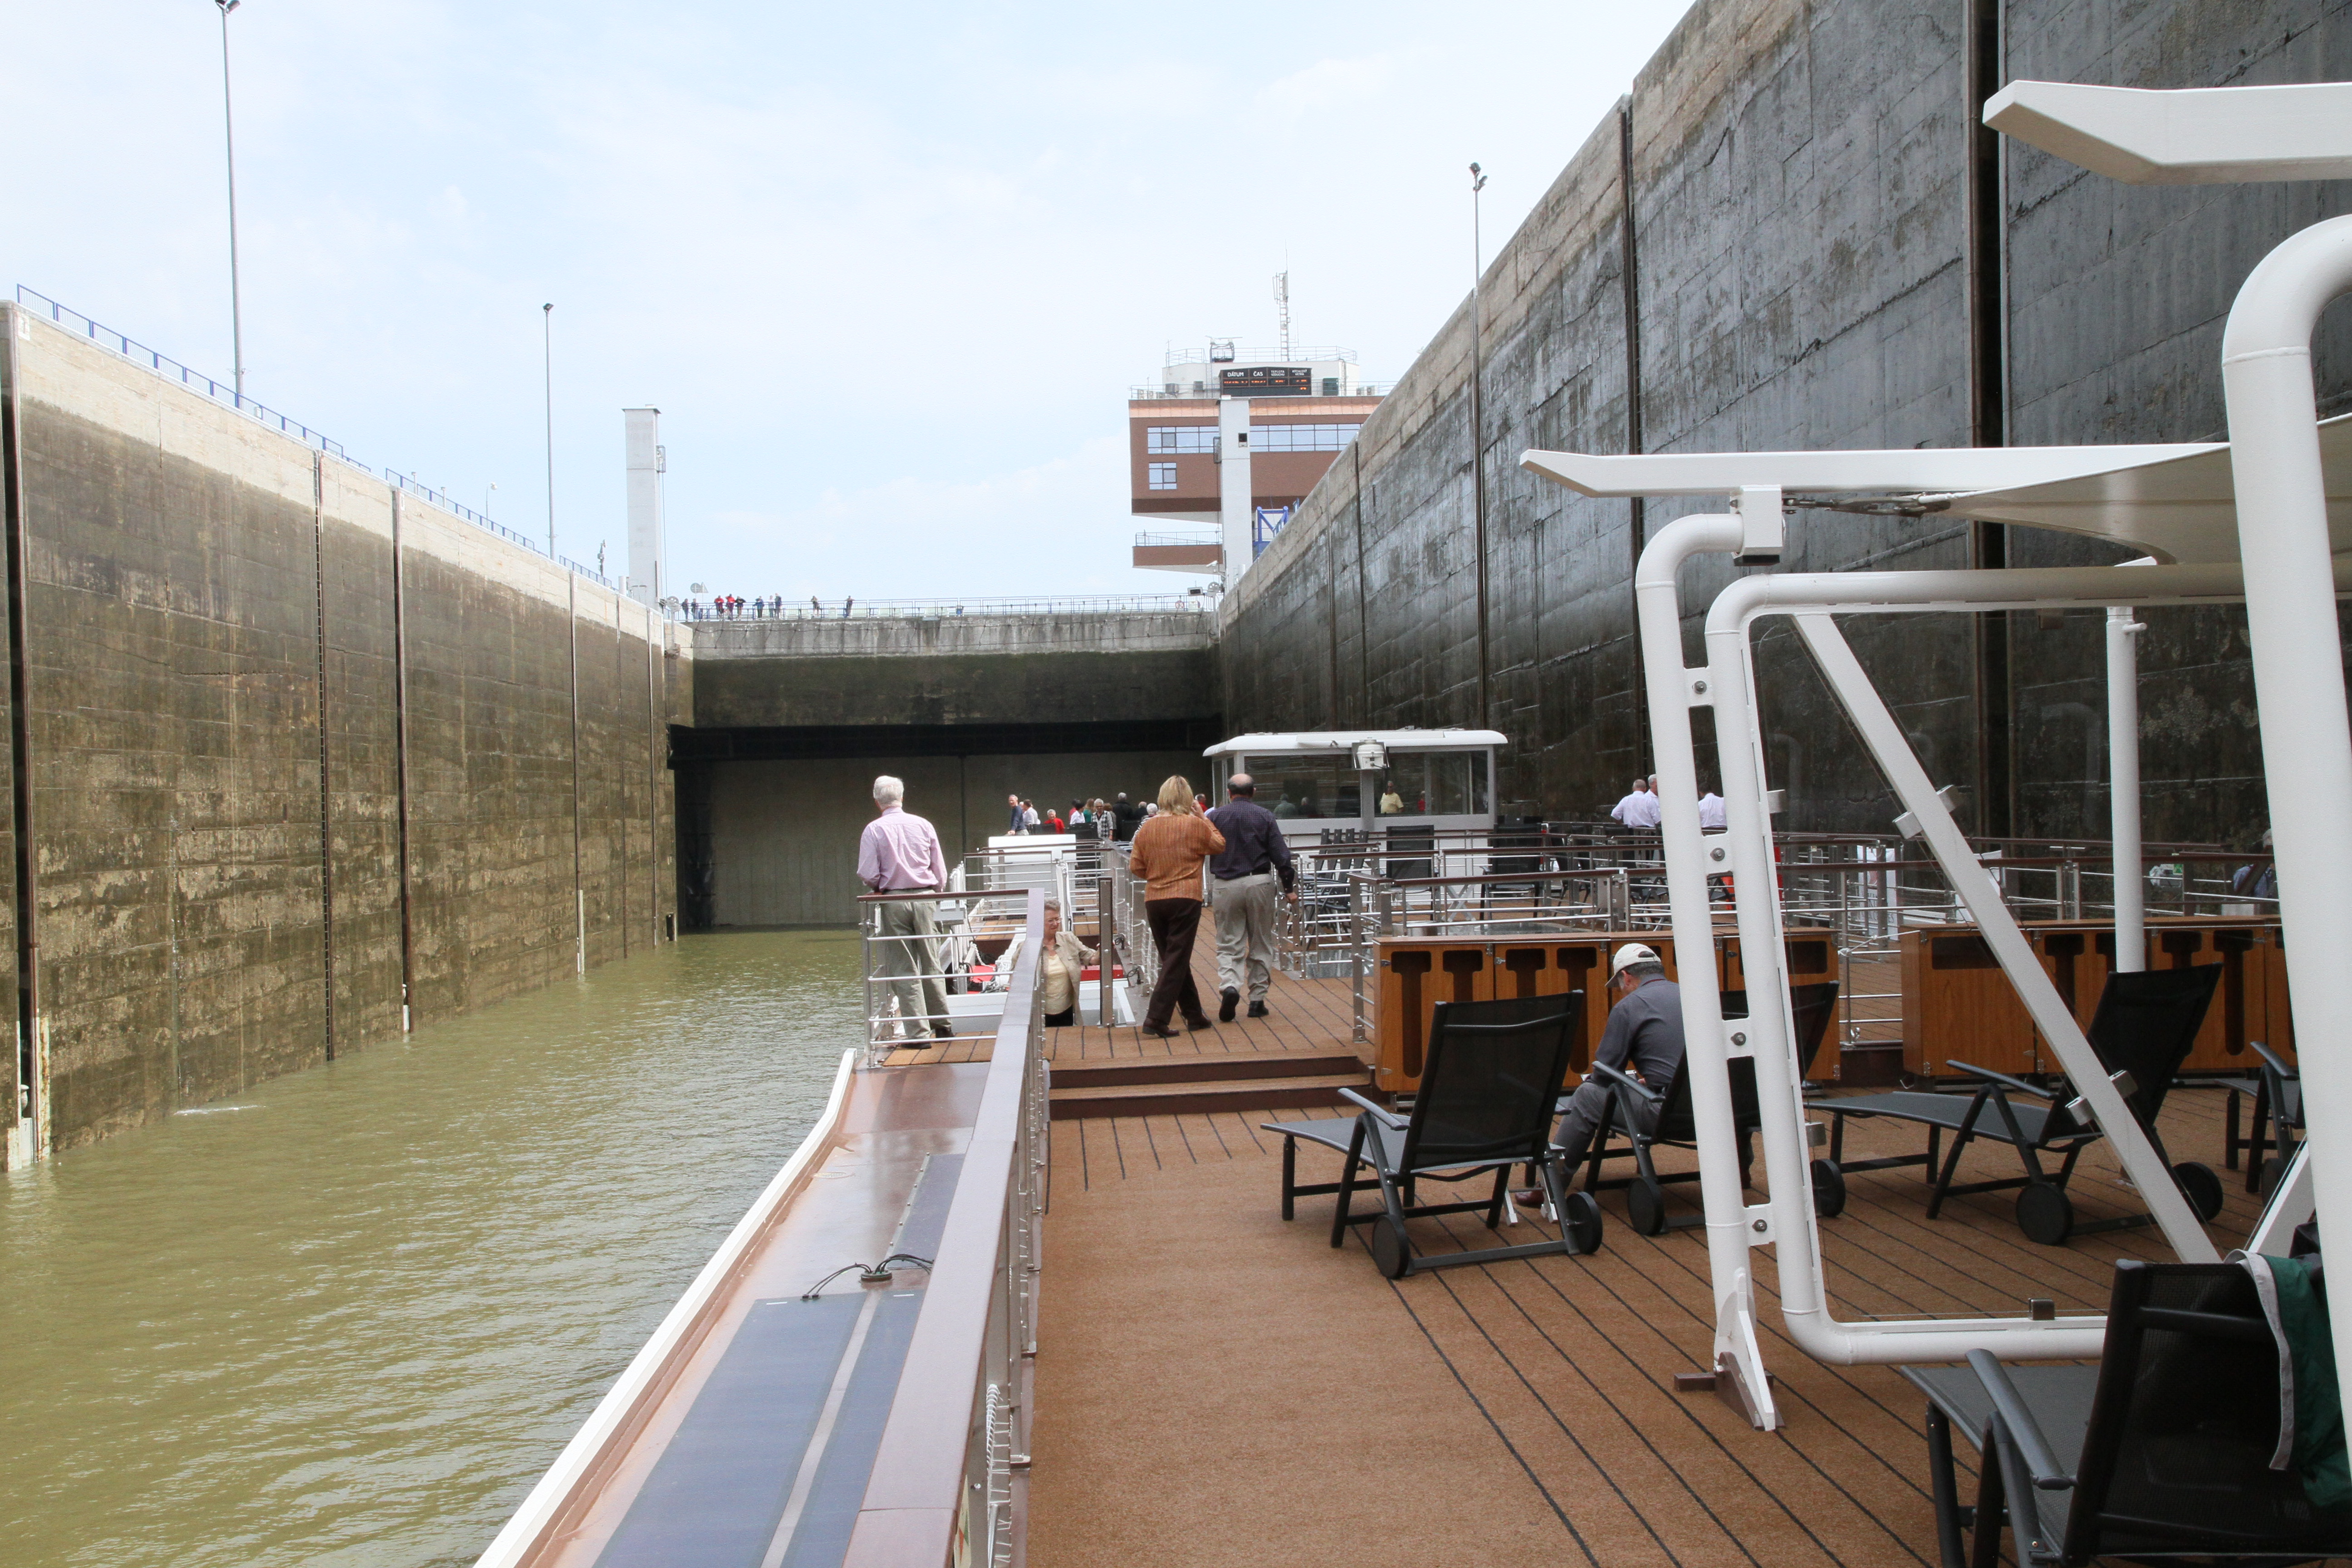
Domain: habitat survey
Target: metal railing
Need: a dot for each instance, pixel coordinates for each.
(975, 1342)
(1864, 891)
(774, 608)
(1159, 393)
(1211, 538)
(226, 394)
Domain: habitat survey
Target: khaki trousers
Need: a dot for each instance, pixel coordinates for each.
(1244, 909)
(908, 949)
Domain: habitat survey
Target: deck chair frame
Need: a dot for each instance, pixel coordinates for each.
(1993, 1109)
(2026, 1420)
(1390, 1145)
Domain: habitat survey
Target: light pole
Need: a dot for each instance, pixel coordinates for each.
(1478, 429)
(547, 334)
(228, 125)
(486, 496)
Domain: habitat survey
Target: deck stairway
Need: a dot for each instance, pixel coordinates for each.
(1181, 1085)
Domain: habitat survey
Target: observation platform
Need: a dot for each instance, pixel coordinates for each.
(1216, 1387)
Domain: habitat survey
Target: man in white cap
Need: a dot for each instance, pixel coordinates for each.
(1644, 1038)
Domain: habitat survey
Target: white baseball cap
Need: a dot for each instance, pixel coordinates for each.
(1633, 953)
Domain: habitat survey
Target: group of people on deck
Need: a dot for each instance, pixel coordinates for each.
(1640, 809)
(900, 853)
(1250, 870)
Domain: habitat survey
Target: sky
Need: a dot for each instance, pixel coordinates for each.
(888, 271)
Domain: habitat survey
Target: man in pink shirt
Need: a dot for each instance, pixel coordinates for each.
(900, 853)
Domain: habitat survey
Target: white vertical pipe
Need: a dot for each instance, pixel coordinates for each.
(2123, 788)
(2298, 659)
(1672, 692)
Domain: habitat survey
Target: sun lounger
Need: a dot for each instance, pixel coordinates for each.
(1492, 1071)
(2164, 1450)
(2145, 1027)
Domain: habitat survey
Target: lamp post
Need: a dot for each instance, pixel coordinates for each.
(1477, 429)
(228, 125)
(486, 496)
(547, 343)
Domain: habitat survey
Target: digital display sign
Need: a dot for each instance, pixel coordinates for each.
(1267, 381)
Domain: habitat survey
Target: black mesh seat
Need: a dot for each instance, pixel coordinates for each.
(1810, 1008)
(2145, 1027)
(1489, 1077)
(2162, 1451)
(2276, 1090)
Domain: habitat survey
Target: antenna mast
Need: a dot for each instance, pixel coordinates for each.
(1282, 304)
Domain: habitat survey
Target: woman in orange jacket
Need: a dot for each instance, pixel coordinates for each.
(1167, 854)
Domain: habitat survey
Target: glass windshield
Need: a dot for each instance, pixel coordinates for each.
(1415, 783)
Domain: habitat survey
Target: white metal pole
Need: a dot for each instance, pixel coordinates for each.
(2294, 631)
(229, 126)
(1673, 691)
(547, 346)
(2123, 788)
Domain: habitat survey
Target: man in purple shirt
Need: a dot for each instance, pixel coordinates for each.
(900, 853)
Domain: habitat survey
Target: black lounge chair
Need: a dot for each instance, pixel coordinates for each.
(1490, 1074)
(2162, 1450)
(1811, 1008)
(2276, 1090)
(2144, 1029)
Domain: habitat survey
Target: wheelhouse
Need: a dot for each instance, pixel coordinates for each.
(1316, 781)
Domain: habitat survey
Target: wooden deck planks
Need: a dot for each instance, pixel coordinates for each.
(1560, 1370)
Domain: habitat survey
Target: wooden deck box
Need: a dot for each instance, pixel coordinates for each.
(1959, 1005)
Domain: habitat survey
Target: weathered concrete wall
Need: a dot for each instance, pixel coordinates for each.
(784, 849)
(232, 691)
(955, 670)
(1799, 218)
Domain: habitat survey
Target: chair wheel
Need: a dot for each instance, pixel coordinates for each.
(2201, 1187)
(1829, 1189)
(1645, 1207)
(1582, 1222)
(1391, 1252)
(2045, 1214)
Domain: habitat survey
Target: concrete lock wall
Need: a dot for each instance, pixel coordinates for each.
(784, 833)
(794, 718)
(232, 701)
(1803, 275)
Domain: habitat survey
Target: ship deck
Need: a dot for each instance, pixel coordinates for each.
(1215, 1386)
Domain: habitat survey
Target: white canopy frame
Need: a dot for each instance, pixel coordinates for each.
(1725, 685)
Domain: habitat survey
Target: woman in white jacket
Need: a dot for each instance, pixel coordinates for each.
(1058, 976)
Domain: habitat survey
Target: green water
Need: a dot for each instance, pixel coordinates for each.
(350, 1323)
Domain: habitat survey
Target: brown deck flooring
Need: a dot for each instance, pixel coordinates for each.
(1215, 1386)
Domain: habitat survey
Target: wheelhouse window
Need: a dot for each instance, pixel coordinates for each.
(1415, 783)
(1162, 476)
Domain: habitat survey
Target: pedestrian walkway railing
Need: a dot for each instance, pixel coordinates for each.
(776, 608)
(933, 1500)
(928, 960)
(226, 394)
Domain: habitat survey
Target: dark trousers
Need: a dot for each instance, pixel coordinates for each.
(1174, 923)
(1062, 1019)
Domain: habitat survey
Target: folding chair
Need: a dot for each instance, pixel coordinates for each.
(1490, 1074)
(2163, 1450)
(2276, 1090)
(1810, 1009)
(2145, 1027)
